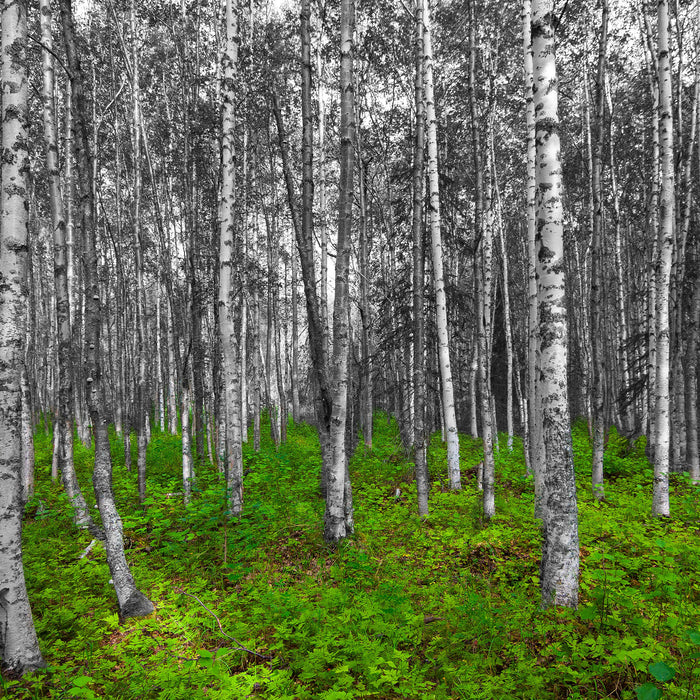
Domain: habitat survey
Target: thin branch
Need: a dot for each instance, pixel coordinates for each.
(228, 636)
(52, 52)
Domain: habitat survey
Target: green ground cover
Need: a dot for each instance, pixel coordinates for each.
(446, 608)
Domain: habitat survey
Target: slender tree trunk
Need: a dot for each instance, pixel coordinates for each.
(270, 361)
(511, 370)
(365, 310)
(19, 647)
(450, 418)
(485, 287)
(660, 503)
(141, 349)
(132, 602)
(188, 475)
(419, 433)
(535, 452)
(598, 334)
(338, 520)
(160, 384)
(172, 373)
(322, 206)
(232, 457)
(651, 62)
(559, 567)
(64, 418)
(692, 380)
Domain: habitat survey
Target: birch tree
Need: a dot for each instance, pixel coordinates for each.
(231, 390)
(597, 311)
(560, 553)
(419, 393)
(338, 521)
(19, 647)
(662, 412)
(64, 419)
(132, 602)
(446, 384)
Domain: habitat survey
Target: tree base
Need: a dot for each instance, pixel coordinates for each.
(137, 606)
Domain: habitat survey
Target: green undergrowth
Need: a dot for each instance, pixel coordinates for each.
(442, 608)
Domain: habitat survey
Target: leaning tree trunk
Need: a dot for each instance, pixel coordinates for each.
(64, 420)
(19, 647)
(660, 500)
(560, 554)
(448, 402)
(132, 602)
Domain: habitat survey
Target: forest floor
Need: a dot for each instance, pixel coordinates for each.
(445, 608)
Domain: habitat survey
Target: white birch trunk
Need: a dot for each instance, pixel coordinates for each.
(232, 458)
(27, 437)
(447, 388)
(19, 647)
(419, 392)
(338, 521)
(660, 501)
(560, 551)
(534, 441)
(187, 465)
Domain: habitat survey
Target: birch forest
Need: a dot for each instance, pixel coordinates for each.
(349, 349)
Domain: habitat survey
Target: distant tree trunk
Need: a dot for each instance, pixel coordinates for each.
(141, 349)
(132, 602)
(294, 373)
(626, 405)
(419, 432)
(172, 367)
(692, 380)
(19, 647)
(188, 475)
(691, 351)
(559, 567)
(485, 293)
(27, 436)
(598, 334)
(660, 503)
(315, 305)
(365, 310)
(322, 206)
(450, 418)
(651, 63)
(232, 457)
(160, 384)
(273, 406)
(535, 446)
(338, 520)
(512, 372)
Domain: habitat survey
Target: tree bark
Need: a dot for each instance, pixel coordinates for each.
(447, 388)
(419, 432)
(132, 602)
(19, 647)
(140, 306)
(535, 451)
(660, 501)
(232, 458)
(338, 522)
(560, 553)
(598, 334)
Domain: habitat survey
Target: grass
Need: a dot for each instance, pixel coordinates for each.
(442, 608)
